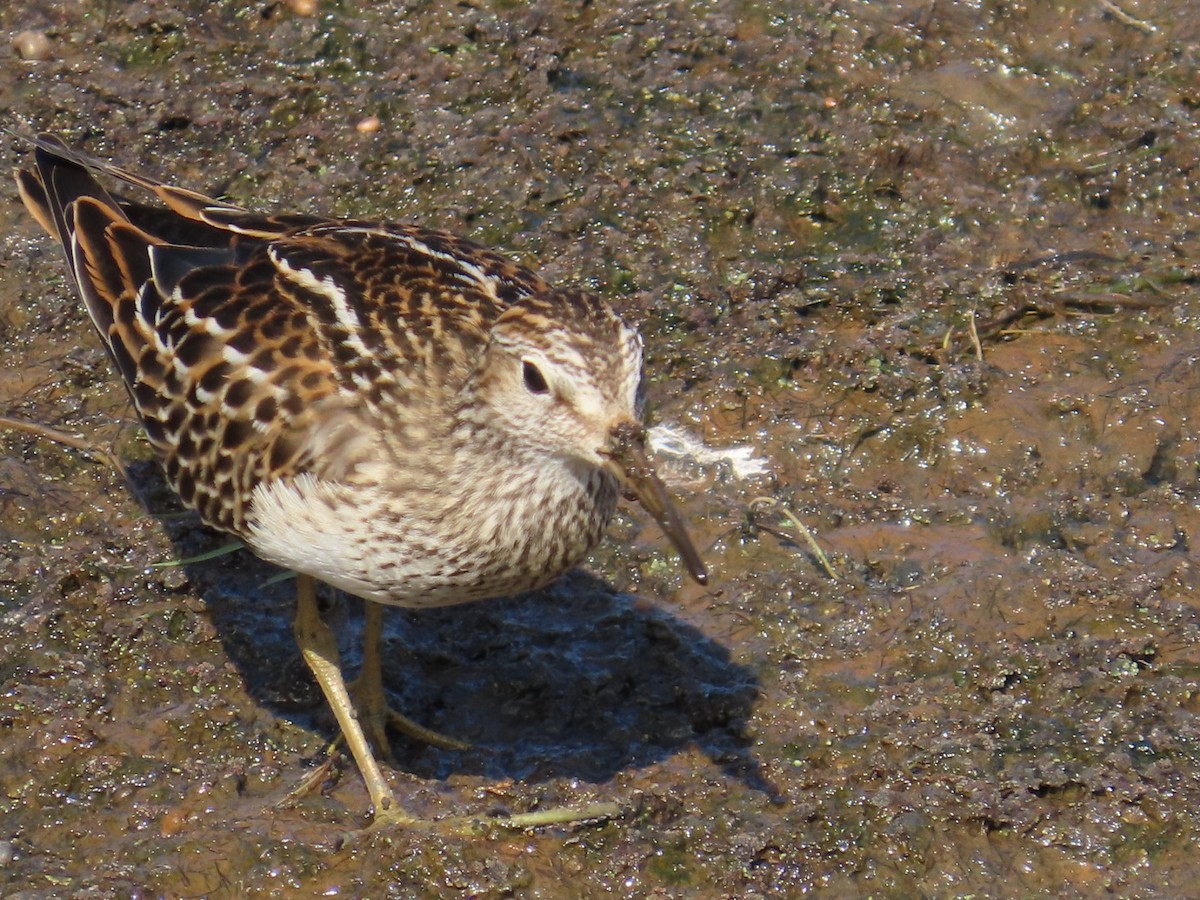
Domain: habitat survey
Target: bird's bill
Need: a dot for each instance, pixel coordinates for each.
(637, 475)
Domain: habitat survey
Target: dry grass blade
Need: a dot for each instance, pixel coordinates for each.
(68, 440)
(807, 534)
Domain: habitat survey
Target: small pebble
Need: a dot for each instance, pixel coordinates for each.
(303, 7)
(32, 45)
(369, 125)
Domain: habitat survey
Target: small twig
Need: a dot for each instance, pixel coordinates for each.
(1126, 19)
(975, 337)
(808, 536)
(1108, 301)
(68, 440)
(312, 781)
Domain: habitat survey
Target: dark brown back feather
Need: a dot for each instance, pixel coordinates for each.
(260, 347)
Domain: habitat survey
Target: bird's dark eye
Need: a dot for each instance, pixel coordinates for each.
(535, 381)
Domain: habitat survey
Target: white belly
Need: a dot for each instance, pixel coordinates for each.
(426, 550)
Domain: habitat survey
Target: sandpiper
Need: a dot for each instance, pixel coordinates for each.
(390, 409)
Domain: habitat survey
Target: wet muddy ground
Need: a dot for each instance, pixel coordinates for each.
(933, 264)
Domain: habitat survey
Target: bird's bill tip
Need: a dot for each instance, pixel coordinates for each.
(628, 454)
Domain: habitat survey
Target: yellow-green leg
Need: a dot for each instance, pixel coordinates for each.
(319, 649)
(374, 712)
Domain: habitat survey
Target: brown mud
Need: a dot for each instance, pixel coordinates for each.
(936, 263)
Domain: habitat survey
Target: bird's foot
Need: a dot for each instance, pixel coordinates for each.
(376, 715)
(473, 826)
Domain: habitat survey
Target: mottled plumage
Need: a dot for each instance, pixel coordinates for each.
(390, 409)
